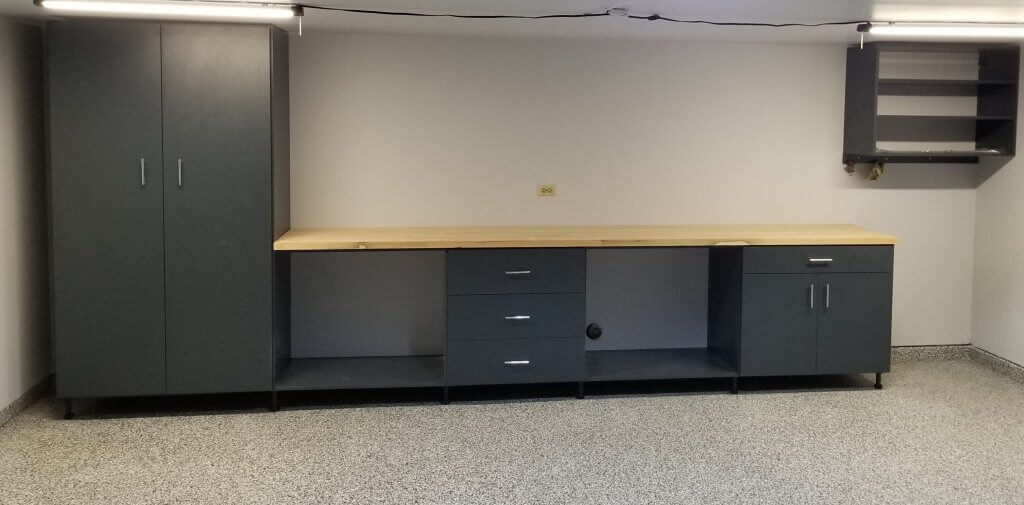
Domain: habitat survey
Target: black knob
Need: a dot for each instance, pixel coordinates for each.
(594, 331)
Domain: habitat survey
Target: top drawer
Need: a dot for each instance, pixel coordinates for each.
(503, 271)
(807, 259)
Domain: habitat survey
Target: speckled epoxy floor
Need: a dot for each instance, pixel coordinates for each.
(941, 432)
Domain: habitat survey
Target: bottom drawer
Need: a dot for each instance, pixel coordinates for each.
(515, 361)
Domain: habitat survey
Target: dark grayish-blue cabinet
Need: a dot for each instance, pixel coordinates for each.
(106, 209)
(168, 144)
(816, 310)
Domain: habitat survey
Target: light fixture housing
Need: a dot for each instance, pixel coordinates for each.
(944, 30)
(179, 8)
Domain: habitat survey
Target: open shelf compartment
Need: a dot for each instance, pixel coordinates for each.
(649, 364)
(989, 89)
(361, 373)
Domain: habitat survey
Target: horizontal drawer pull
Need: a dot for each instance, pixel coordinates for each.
(518, 273)
(519, 362)
(516, 318)
(820, 260)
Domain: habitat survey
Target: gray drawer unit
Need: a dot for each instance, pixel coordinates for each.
(507, 271)
(493, 317)
(515, 361)
(817, 259)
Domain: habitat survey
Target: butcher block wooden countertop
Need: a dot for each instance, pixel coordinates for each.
(339, 239)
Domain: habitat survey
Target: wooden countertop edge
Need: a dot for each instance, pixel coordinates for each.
(328, 244)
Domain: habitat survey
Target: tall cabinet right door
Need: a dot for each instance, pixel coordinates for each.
(106, 208)
(217, 174)
(854, 323)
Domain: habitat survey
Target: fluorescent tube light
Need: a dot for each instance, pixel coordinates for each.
(190, 8)
(966, 30)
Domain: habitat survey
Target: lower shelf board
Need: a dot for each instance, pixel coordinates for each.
(644, 364)
(361, 373)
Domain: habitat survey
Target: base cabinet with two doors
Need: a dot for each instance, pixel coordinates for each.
(167, 145)
(816, 310)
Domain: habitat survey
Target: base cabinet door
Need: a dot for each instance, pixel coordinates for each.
(106, 208)
(779, 324)
(854, 323)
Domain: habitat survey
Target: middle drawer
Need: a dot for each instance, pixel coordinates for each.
(499, 317)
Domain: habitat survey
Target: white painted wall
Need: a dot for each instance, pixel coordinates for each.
(24, 330)
(999, 259)
(394, 130)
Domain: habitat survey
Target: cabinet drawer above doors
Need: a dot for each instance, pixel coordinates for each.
(515, 361)
(506, 271)
(814, 259)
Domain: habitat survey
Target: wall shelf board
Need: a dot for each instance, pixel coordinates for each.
(938, 87)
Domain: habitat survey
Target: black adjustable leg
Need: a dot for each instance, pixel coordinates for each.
(69, 412)
(579, 391)
(878, 381)
(274, 405)
(735, 385)
(444, 395)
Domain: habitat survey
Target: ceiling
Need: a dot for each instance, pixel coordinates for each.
(773, 11)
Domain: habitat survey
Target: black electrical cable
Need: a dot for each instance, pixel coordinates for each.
(460, 16)
(657, 17)
(652, 17)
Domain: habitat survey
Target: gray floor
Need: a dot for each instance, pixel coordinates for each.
(941, 432)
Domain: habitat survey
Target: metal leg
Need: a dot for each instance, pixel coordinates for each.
(735, 385)
(579, 391)
(69, 412)
(878, 381)
(274, 405)
(444, 395)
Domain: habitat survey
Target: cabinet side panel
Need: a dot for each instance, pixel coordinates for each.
(998, 64)
(861, 100)
(725, 303)
(282, 311)
(280, 116)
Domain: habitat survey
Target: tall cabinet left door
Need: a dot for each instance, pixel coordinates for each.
(106, 208)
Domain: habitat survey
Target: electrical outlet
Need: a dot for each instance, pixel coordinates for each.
(547, 190)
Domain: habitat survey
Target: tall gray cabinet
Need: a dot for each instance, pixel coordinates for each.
(168, 185)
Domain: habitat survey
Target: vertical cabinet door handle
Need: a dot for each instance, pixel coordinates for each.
(828, 295)
(142, 171)
(812, 295)
(179, 173)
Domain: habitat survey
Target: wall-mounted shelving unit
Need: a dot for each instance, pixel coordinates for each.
(878, 128)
